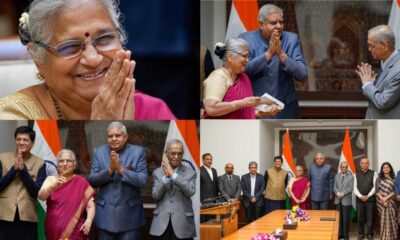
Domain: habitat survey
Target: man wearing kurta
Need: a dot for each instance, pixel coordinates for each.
(276, 180)
(21, 176)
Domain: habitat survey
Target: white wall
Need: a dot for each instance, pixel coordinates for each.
(212, 25)
(267, 144)
(7, 128)
(235, 141)
(388, 143)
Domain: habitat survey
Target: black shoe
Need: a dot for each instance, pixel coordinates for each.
(346, 238)
(361, 237)
(369, 237)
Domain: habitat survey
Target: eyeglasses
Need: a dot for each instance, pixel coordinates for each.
(62, 161)
(74, 48)
(246, 56)
(273, 23)
(178, 154)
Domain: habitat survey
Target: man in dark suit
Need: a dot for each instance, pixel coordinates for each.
(383, 89)
(119, 171)
(276, 60)
(208, 179)
(229, 184)
(252, 185)
(174, 185)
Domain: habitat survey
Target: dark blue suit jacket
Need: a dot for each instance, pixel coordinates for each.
(119, 207)
(245, 184)
(322, 180)
(274, 77)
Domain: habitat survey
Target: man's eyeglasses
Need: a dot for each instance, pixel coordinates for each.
(273, 23)
(62, 161)
(246, 56)
(178, 154)
(74, 48)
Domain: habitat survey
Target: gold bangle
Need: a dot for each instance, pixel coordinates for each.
(233, 106)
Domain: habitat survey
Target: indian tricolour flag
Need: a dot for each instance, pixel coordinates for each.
(288, 162)
(394, 21)
(347, 156)
(186, 132)
(47, 145)
(243, 18)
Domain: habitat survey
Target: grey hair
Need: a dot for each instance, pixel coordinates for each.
(344, 162)
(60, 153)
(117, 124)
(235, 45)
(383, 33)
(323, 155)
(267, 10)
(41, 22)
(172, 142)
(253, 163)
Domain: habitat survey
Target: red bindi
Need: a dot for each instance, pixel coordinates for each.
(86, 34)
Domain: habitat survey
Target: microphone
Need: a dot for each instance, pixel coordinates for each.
(212, 202)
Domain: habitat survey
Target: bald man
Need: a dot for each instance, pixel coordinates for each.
(364, 189)
(229, 184)
(383, 88)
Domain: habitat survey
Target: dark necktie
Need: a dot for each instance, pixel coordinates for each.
(342, 180)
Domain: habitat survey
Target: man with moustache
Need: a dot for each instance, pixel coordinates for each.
(119, 171)
(173, 186)
(21, 177)
(276, 60)
(229, 184)
(208, 179)
(252, 185)
(208, 183)
(364, 189)
(382, 89)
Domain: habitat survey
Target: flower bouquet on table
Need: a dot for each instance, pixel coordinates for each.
(294, 216)
(263, 236)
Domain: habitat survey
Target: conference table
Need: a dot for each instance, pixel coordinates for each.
(314, 229)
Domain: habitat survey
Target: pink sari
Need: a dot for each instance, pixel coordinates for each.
(151, 108)
(298, 188)
(240, 89)
(66, 210)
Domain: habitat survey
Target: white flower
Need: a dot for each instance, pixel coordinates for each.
(24, 19)
(219, 44)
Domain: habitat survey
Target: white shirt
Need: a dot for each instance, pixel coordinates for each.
(253, 184)
(209, 172)
(372, 192)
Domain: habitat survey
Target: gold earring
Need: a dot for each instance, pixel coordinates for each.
(39, 76)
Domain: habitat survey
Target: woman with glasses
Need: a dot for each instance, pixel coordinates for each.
(69, 198)
(227, 91)
(77, 46)
(299, 189)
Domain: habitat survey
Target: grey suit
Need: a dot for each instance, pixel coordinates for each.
(229, 189)
(344, 184)
(174, 203)
(384, 93)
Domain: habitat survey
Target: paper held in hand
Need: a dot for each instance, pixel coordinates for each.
(267, 100)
